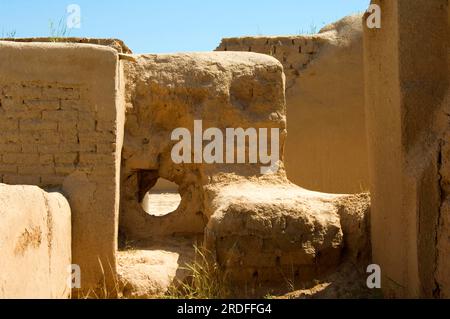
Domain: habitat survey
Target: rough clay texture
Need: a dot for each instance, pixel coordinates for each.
(268, 225)
(171, 91)
(62, 124)
(326, 148)
(268, 231)
(68, 134)
(35, 243)
(407, 117)
(152, 268)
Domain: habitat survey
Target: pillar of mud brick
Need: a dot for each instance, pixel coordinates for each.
(62, 115)
(406, 81)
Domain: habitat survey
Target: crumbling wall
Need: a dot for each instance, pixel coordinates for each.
(35, 243)
(261, 228)
(224, 90)
(63, 113)
(406, 82)
(326, 148)
(267, 231)
(62, 127)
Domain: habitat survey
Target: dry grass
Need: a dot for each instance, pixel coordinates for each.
(8, 34)
(102, 291)
(58, 31)
(207, 280)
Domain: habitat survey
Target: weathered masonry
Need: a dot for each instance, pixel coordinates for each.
(62, 114)
(90, 123)
(95, 124)
(326, 146)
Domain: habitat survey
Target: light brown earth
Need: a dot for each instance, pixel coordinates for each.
(326, 146)
(35, 240)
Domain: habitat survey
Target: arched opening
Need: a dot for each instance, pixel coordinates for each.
(162, 199)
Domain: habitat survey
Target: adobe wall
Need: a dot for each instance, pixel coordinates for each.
(259, 227)
(406, 72)
(326, 148)
(62, 110)
(169, 91)
(62, 116)
(116, 44)
(35, 243)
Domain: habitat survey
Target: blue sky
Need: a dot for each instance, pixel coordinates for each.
(156, 26)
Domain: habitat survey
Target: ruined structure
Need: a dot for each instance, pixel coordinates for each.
(62, 115)
(65, 125)
(93, 122)
(325, 104)
(259, 226)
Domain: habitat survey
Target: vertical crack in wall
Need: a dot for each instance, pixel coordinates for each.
(49, 233)
(437, 289)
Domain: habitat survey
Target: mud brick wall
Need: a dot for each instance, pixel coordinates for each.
(61, 120)
(326, 147)
(294, 52)
(48, 132)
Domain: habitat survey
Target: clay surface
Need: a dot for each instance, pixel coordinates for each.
(62, 118)
(35, 243)
(326, 147)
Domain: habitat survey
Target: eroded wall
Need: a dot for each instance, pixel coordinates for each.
(166, 92)
(326, 148)
(62, 127)
(260, 227)
(35, 243)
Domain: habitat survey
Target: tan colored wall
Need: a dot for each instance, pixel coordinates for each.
(326, 148)
(169, 91)
(260, 227)
(116, 44)
(406, 80)
(35, 243)
(62, 126)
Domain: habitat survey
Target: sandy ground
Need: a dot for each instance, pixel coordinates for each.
(147, 269)
(348, 282)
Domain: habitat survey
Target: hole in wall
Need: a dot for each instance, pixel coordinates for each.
(162, 199)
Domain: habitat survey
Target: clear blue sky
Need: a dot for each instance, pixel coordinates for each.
(155, 26)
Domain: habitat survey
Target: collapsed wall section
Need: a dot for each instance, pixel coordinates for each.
(260, 227)
(326, 147)
(170, 91)
(62, 127)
